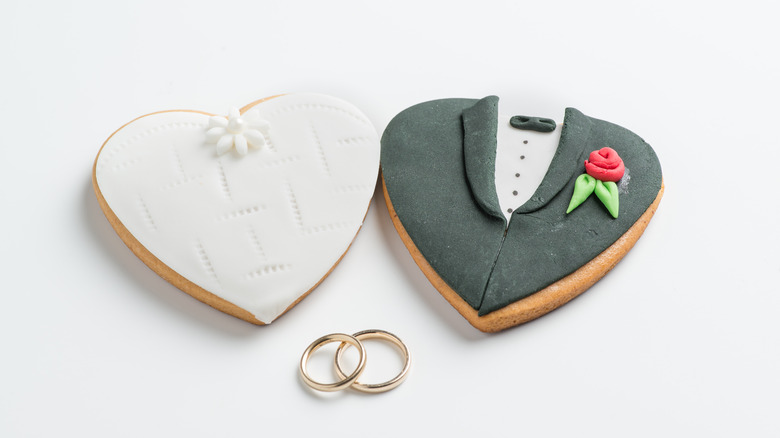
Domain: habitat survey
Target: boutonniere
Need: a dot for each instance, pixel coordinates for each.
(604, 168)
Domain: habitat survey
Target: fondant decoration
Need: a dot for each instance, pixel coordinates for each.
(522, 159)
(238, 130)
(440, 184)
(248, 234)
(533, 123)
(583, 188)
(605, 165)
(604, 168)
(607, 192)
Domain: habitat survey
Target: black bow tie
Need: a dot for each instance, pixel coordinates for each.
(538, 124)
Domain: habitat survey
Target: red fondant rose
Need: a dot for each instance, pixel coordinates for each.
(605, 164)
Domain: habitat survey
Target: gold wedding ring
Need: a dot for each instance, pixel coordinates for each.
(376, 387)
(346, 380)
(351, 380)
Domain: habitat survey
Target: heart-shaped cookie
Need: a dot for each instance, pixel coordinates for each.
(247, 213)
(486, 204)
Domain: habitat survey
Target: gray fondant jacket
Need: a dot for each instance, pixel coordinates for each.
(438, 164)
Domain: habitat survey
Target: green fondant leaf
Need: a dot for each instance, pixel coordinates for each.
(608, 193)
(583, 187)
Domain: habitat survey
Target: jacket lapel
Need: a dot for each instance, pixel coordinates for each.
(480, 123)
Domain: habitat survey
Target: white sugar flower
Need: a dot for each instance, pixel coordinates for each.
(239, 130)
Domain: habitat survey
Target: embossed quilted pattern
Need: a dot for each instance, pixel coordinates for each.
(260, 230)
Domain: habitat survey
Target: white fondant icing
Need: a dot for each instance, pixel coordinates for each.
(258, 230)
(522, 160)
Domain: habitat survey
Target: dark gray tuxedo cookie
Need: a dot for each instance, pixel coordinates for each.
(452, 169)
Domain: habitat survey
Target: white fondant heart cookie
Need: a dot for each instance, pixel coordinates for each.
(247, 213)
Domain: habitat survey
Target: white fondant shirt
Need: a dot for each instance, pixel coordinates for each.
(522, 160)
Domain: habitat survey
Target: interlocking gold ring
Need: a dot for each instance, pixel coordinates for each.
(346, 381)
(376, 387)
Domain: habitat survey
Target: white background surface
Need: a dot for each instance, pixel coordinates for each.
(681, 339)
